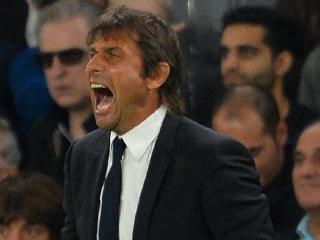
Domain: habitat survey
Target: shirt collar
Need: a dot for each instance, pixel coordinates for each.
(140, 137)
(302, 229)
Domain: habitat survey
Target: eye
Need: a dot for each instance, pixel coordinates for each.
(112, 54)
(247, 52)
(92, 53)
(34, 230)
(255, 152)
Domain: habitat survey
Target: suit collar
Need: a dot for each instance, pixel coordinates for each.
(101, 166)
(159, 163)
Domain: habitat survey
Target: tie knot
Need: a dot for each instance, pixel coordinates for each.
(118, 148)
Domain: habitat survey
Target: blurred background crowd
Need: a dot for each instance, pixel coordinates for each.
(251, 71)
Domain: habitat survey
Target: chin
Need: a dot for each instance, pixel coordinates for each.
(101, 123)
(309, 205)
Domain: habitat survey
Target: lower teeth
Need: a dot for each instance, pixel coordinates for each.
(102, 107)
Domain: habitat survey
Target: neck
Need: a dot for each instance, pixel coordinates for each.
(314, 224)
(281, 100)
(76, 119)
(138, 114)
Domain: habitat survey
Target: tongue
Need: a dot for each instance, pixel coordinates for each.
(103, 102)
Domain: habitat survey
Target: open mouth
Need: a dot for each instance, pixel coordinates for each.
(104, 96)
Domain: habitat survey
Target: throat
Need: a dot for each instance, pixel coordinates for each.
(103, 99)
(104, 102)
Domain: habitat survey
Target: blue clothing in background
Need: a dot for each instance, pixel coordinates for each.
(29, 90)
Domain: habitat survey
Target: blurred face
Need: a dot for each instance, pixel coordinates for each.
(120, 95)
(246, 59)
(64, 57)
(248, 129)
(306, 170)
(21, 230)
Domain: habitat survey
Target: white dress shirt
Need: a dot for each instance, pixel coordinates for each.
(140, 142)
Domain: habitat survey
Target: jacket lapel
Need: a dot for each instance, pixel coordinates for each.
(100, 166)
(159, 163)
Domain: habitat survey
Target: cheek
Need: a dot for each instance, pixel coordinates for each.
(261, 164)
(78, 71)
(50, 85)
(264, 161)
(259, 67)
(223, 66)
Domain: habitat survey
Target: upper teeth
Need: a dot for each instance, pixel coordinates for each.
(95, 85)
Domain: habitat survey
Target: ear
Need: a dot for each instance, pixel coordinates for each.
(283, 63)
(158, 76)
(281, 134)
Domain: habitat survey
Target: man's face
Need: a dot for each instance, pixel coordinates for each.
(66, 74)
(306, 170)
(120, 95)
(22, 230)
(246, 59)
(249, 130)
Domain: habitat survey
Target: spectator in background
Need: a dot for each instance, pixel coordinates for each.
(306, 181)
(62, 32)
(30, 93)
(200, 44)
(262, 47)
(27, 83)
(10, 155)
(249, 114)
(30, 208)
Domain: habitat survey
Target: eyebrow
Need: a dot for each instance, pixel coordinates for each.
(93, 48)
(244, 45)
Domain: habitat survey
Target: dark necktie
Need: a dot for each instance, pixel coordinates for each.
(110, 210)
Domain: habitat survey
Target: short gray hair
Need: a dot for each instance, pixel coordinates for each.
(9, 148)
(64, 10)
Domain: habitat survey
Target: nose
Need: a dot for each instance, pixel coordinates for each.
(308, 168)
(95, 64)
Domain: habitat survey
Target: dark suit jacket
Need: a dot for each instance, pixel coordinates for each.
(199, 186)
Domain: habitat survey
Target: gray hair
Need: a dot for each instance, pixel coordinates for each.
(64, 10)
(9, 148)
